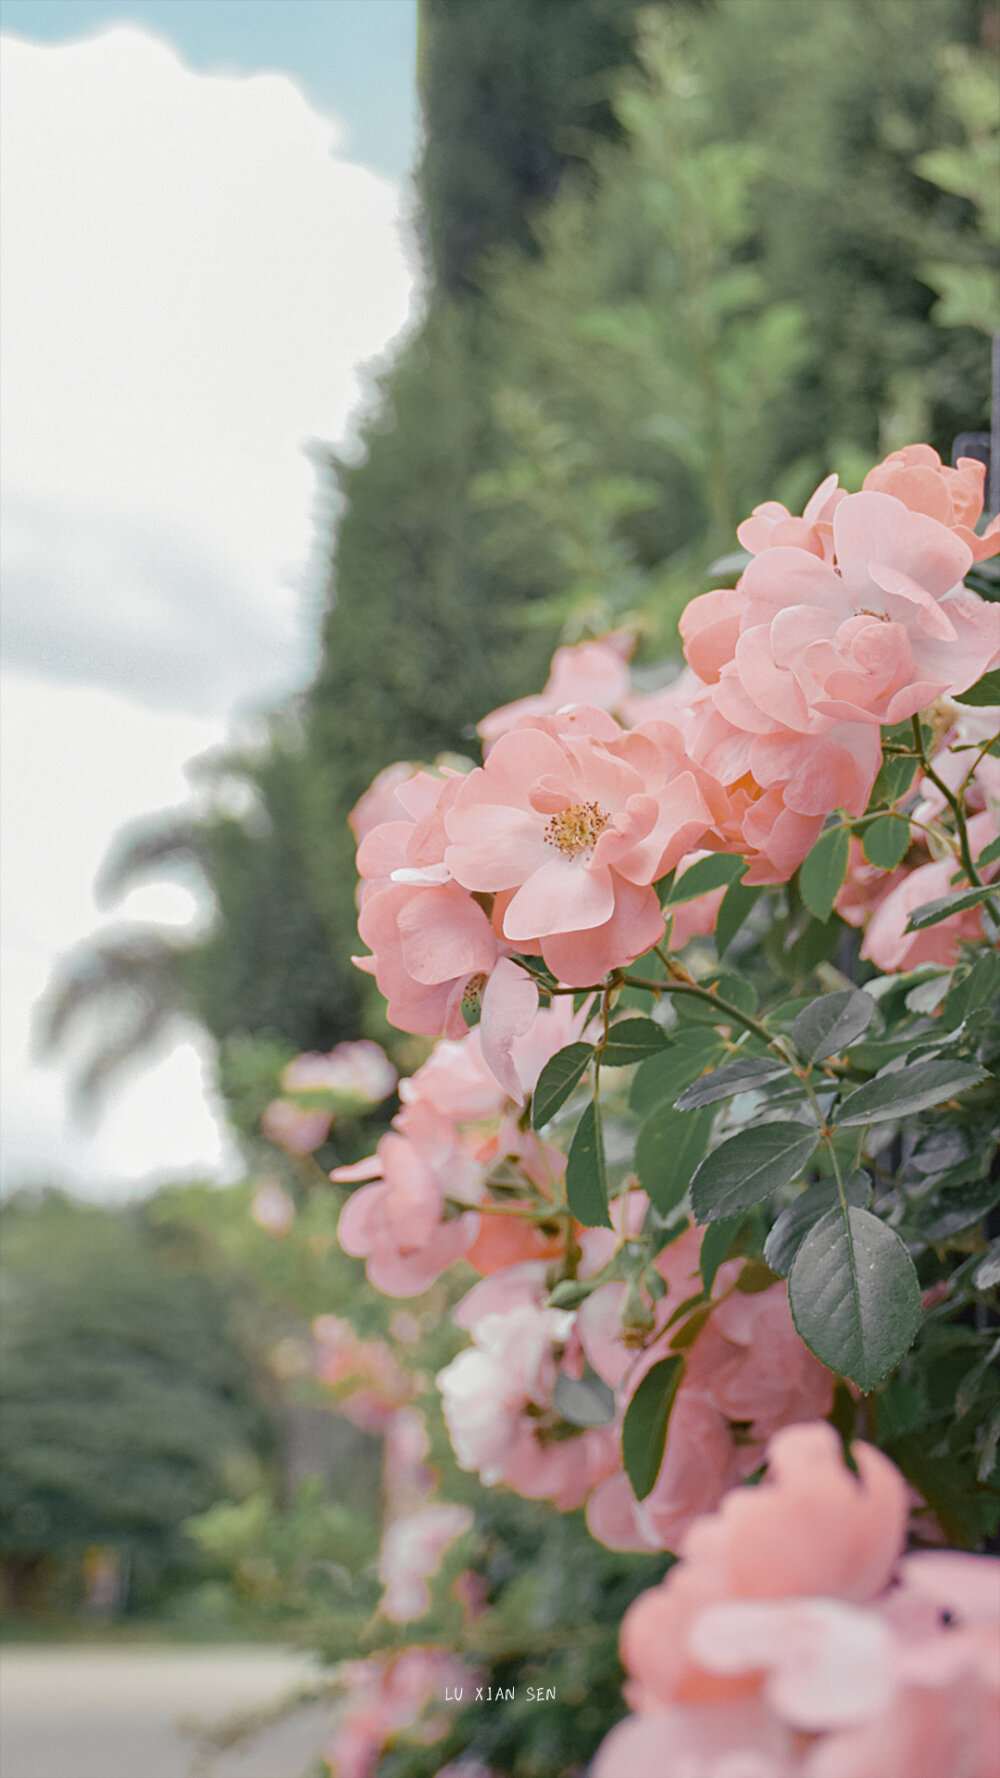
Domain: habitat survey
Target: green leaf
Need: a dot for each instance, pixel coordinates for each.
(909, 1089)
(644, 1428)
(931, 912)
(668, 1148)
(713, 872)
(633, 1040)
(666, 1075)
(886, 841)
(832, 1024)
(854, 1295)
(794, 1223)
(975, 990)
(894, 779)
(991, 853)
(724, 1239)
(586, 1171)
(690, 1009)
(985, 691)
(748, 1167)
(743, 1075)
(822, 874)
(557, 1080)
(734, 908)
(584, 1401)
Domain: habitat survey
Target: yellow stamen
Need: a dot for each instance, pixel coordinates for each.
(577, 829)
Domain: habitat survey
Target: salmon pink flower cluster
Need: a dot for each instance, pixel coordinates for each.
(795, 1640)
(423, 1203)
(401, 1696)
(662, 1323)
(747, 1374)
(352, 1078)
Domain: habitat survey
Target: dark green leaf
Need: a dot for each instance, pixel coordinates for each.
(931, 912)
(749, 1166)
(908, 1090)
(735, 906)
(724, 1239)
(985, 691)
(633, 1040)
(822, 874)
(644, 1428)
(832, 1024)
(886, 841)
(668, 1148)
(956, 1208)
(666, 1075)
(557, 1080)
(584, 1401)
(713, 872)
(794, 1223)
(990, 854)
(586, 1171)
(854, 1295)
(743, 1075)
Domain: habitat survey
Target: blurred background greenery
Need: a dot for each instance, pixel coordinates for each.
(677, 260)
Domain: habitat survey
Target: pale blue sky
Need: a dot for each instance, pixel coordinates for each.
(355, 58)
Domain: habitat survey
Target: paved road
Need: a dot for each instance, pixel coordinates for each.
(73, 1712)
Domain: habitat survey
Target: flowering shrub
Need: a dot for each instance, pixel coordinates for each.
(722, 1203)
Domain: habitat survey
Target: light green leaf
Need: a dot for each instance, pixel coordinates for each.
(854, 1295)
(584, 1401)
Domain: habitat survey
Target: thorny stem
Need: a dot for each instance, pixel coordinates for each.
(956, 805)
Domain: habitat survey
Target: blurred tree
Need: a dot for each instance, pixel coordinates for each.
(126, 1404)
(511, 93)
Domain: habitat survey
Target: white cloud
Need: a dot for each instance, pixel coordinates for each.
(192, 284)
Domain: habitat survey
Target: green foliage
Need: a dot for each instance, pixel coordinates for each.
(647, 1419)
(127, 1404)
(586, 1170)
(854, 1295)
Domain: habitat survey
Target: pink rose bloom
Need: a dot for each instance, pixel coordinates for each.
(411, 1554)
(746, 1366)
(811, 1526)
(395, 1222)
(498, 1394)
(359, 1072)
(577, 824)
(887, 941)
(733, 1740)
(391, 1695)
(380, 802)
(772, 526)
(341, 1358)
(875, 639)
(594, 673)
(917, 477)
(297, 1131)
